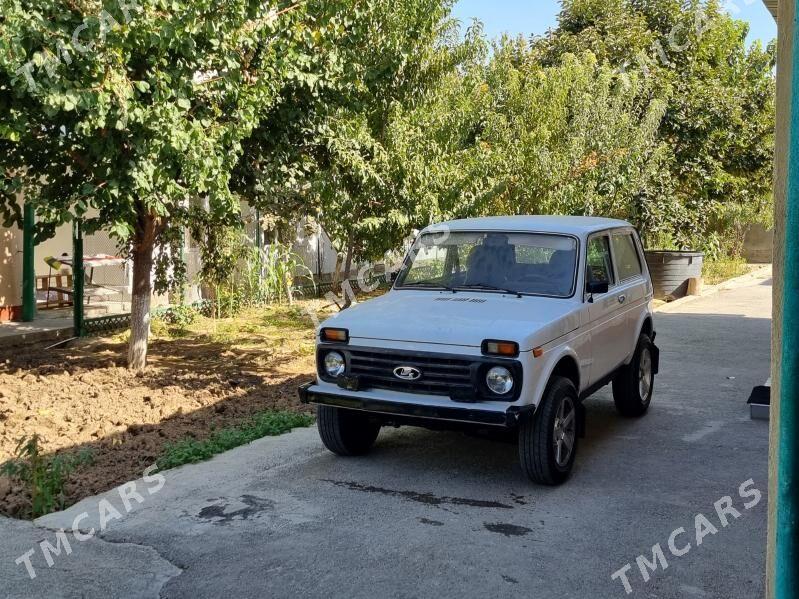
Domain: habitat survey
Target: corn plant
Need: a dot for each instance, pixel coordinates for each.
(268, 275)
(242, 275)
(281, 267)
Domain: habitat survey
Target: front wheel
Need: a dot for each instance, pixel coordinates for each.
(634, 383)
(548, 440)
(346, 432)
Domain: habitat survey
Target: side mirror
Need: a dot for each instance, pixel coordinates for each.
(392, 276)
(598, 287)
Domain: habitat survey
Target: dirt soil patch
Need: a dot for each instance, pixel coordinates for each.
(209, 376)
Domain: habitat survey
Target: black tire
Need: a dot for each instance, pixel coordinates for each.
(346, 432)
(538, 445)
(633, 385)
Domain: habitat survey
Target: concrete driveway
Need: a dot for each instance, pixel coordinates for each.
(430, 514)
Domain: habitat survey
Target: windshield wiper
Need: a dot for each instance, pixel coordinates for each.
(429, 283)
(488, 287)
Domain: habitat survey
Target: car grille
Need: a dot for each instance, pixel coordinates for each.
(440, 375)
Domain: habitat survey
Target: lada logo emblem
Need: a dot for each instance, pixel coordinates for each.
(407, 373)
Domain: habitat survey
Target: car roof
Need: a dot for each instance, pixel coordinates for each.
(574, 225)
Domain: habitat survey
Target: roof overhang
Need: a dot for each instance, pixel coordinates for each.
(772, 5)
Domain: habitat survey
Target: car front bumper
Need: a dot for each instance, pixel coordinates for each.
(390, 405)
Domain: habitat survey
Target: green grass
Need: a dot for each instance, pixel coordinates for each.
(306, 350)
(266, 424)
(251, 327)
(289, 317)
(718, 271)
(43, 476)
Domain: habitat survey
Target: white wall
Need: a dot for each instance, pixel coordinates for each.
(310, 245)
(10, 267)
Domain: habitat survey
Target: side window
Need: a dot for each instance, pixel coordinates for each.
(599, 265)
(628, 263)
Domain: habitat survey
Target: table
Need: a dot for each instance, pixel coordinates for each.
(96, 261)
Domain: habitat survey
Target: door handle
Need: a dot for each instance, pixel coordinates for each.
(622, 299)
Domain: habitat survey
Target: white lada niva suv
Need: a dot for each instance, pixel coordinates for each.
(507, 322)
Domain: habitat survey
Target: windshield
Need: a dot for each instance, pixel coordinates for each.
(526, 263)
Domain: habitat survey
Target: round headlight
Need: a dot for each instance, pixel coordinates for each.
(334, 364)
(499, 380)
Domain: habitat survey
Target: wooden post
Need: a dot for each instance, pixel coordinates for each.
(259, 244)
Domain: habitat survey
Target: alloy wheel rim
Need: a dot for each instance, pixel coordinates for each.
(564, 432)
(645, 374)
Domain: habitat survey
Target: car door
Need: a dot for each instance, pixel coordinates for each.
(606, 311)
(633, 287)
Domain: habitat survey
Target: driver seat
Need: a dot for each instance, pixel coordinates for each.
(490, 263)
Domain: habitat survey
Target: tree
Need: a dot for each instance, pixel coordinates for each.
(717, 130)
(342, 150)
(565, 139)
(121, 114)
(411, 47)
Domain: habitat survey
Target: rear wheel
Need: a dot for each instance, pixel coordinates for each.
(634, 383)
(346, 432)
(548, 441)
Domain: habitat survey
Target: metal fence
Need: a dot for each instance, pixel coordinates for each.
(105, 325)
(322, 288)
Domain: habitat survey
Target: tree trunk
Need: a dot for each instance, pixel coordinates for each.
(347, 269)
(142, 293)
(289, 293)
(337, 271)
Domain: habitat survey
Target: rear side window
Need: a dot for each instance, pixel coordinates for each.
(599, 264)
(625, 253)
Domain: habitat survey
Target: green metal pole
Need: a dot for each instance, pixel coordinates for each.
(787, 525)
(28, 270)
(77, 278)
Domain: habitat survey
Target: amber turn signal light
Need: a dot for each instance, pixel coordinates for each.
(335, 335)
(508, 349)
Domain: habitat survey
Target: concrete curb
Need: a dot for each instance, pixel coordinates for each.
(759, 273)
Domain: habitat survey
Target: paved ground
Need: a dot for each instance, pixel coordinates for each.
(451, 516)
(13, 334)
(53, 324)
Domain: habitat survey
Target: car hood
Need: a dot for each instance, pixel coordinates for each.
(462, 318)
